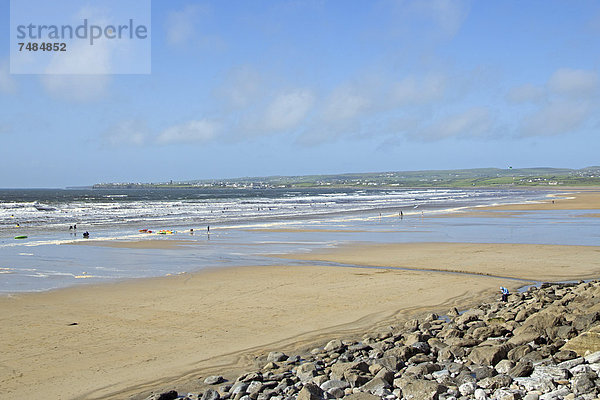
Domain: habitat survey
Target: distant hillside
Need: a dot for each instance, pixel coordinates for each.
(479, 177)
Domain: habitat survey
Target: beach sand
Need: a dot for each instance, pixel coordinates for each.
(575, 199)
(147, 331)
(124, 339)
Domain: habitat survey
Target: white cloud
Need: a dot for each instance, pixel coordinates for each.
(127, 133)
(525, 93)
(413, 90)
(448, 14)
(574, 82)
(288, 109)
(197, 131)
(7, 82)
(344, 104)
(181, 24)
(76, 88)
(555, 119)
(472, 123)
(242, 87)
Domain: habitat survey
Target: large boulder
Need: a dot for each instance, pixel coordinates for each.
(488, 355)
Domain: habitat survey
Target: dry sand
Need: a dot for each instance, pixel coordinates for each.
(143, 332)
(576, 199)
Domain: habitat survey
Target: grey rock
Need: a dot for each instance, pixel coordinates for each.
(419, 389)
(480, 394)
(385, 374)
(571, 363)
(504, 366)
(276, 356)
(361, 396)
(170, 395)
(535, 383)
(467, 388)
(483, 372)
(375, 385)
(306, 371)
(238, 387)
(564, 355)
(496, 382)
(582, 384)
(214, 380)
(531, 396)
(521, 369)
(505, 394)
(488, 355)
(211, 394)
(333, 384)
(310, 391)
(555, 394)
(336, 393)
(254, 387)
(334, 345)
(593, 358)
(550, 372)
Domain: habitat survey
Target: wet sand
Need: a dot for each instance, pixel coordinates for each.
(575, 199)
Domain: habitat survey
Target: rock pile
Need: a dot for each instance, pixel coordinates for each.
(538, 345)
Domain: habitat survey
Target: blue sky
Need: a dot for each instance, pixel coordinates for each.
(292, 87)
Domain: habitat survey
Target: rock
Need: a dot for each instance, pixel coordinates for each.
(338, 370)
(334, 345)
(238, 387)
(214, 380)
(483, 372)
(375, 385)
(470, 315)
(588, 341)
(582, 384)
(269, 366)
(522, 338)
(306, 371)
(488, 355)
(336, 393)
(504, 394)
(211, 394)
(170, 395)
(276, 356)
(531, 396)
(564, 355)
(385, 374)
(504, 366)
(419, 389)
(496, 382)
(254, 387)
(310, 391)
(592, 358)
(571, 363)
(333, 384)
(361, 396)
(550, 372)
(537, 384)
(467, 389)
(480, 394)
(519, 352)
(521, 369)
(355, 379)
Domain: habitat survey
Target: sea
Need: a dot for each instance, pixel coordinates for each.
(223, 227)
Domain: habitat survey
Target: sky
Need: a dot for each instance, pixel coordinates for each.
(295, 87)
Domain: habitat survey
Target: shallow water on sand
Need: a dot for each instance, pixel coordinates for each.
(49, 264)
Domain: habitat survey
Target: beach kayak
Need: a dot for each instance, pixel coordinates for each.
(21, 237)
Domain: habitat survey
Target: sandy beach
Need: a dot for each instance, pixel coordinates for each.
(125, 339)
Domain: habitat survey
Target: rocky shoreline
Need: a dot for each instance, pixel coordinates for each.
(542, 344)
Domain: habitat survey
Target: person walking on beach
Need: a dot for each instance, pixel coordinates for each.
(505, 293)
